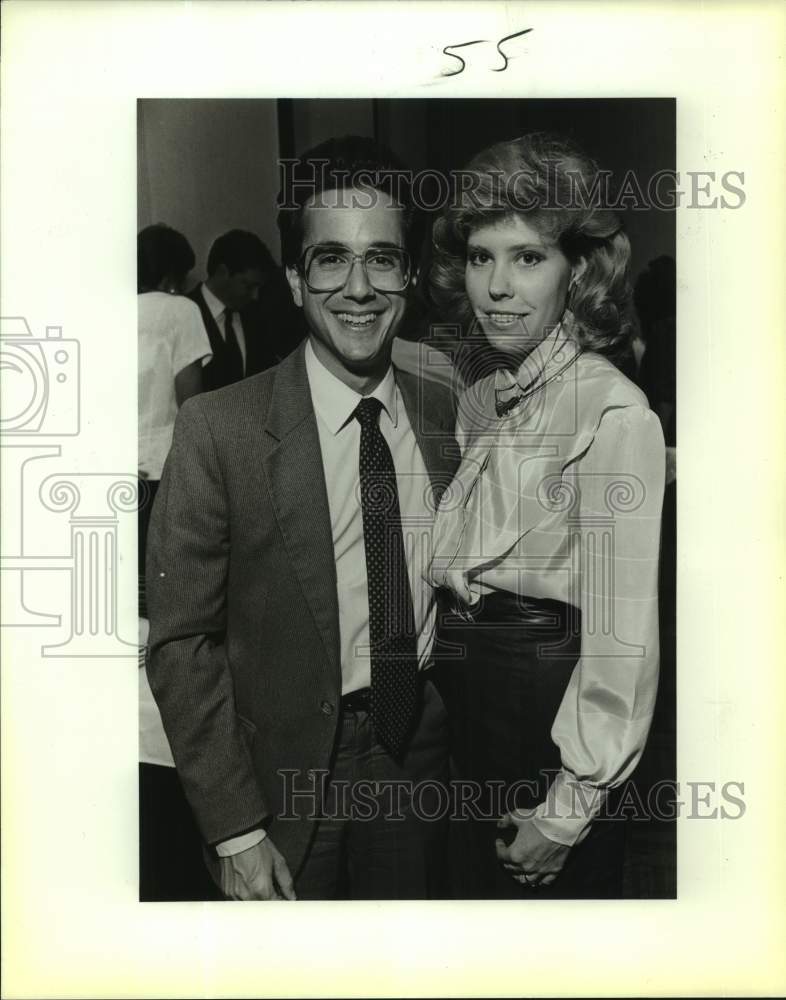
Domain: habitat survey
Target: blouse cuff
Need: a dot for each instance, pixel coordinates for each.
(568, 810)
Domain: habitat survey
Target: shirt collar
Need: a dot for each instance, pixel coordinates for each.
(214, 304)
(552, 352)
(334, 402)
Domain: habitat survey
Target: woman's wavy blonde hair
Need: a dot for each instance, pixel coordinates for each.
(557, 188)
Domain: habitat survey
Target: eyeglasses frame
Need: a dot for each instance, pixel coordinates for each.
(301, 267)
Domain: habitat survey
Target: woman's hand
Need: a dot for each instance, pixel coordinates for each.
(456, 580)
(531, 858)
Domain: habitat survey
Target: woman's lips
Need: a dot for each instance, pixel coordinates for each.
(504, 320)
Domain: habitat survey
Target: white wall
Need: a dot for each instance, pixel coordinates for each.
(206, 166)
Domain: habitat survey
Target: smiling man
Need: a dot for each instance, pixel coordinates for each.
(291, 628)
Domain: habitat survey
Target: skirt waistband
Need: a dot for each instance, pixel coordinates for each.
(501, 607)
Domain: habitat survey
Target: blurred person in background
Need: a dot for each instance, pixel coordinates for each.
(246, 309)
(173, 349)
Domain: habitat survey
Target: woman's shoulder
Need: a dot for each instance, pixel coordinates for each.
(181, 307)
(166, 304)
(601, 381)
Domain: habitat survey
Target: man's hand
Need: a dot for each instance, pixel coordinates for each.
(258, 873)
(532, 859)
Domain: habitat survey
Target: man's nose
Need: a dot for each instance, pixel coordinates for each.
(499, 281)
(357, 285)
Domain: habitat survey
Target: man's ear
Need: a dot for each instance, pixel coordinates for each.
(295, 283)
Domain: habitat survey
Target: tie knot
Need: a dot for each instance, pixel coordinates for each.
(367, 411)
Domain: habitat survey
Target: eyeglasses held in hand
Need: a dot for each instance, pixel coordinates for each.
(327, 268)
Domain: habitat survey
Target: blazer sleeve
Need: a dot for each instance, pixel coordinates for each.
(187, 570)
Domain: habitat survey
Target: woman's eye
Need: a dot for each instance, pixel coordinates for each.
(529, 258)
(477, 258)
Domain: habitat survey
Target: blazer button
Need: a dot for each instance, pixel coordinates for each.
(327, 708)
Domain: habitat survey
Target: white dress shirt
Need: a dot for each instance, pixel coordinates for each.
(219, 313)
(339, 440)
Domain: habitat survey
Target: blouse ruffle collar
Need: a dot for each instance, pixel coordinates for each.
(511, 476)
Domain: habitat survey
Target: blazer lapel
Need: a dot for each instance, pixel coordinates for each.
(296, 481)
(433, 427)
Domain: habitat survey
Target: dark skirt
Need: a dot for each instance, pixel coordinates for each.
(503, 676)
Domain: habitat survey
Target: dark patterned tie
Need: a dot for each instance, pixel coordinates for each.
(394, 663)
(234, 365)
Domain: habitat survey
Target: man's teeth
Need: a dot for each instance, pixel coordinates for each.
(365, 320)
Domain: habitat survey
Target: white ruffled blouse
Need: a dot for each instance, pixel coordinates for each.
(561, 498)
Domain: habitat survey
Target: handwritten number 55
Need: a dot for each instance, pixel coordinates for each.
(479, 41)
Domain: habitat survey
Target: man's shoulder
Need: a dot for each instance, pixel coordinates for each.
(435, 401)
(233, 403)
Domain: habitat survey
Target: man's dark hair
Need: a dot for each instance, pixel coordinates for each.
(239, 250)
(161, 252)
(340, 164)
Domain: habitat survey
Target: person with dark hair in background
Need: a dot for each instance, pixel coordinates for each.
(291, 627)
(243, 309)
(172, 351)
(548, 548)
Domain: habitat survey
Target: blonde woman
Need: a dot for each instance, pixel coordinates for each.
(546, 545)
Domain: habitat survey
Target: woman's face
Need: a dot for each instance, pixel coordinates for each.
(517, 282)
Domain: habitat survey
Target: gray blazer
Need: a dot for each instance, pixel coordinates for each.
(241, 590)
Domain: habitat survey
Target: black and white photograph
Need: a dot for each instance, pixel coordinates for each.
(391, 435)
(427, 653)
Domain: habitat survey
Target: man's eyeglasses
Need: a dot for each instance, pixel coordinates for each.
(326, 268)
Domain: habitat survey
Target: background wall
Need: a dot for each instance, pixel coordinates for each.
(622, 135)
(205, 166)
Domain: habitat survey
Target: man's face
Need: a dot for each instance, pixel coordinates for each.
(237, 290)
(352, 328)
